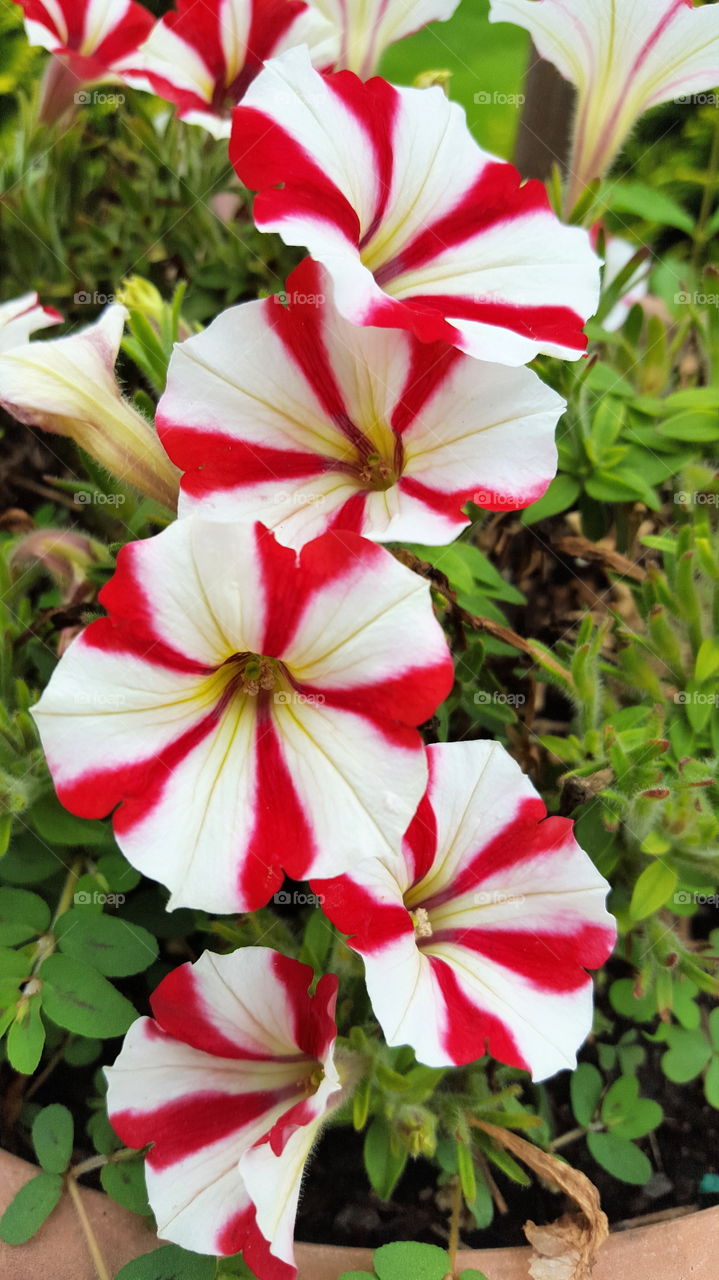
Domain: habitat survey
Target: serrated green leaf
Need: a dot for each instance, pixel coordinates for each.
(32, 1204)
(111, 945)
(585, 1088)
(23, 915)
(81, 1000)
(620, 1157)
(52, 1136)
(407, 1260)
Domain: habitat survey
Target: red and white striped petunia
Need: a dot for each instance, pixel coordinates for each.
(22, 316)
(418, 227)
(367, 27)
(229, 1082)
(204, 54)
(478, 937)
(624, 56)
(244, 708)
(93, 37)
(291, 415)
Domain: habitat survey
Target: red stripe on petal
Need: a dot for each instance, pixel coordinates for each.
(471, 1031)
(187, 1125)
(313, 1021)
(420, 841)
(139, 786)
(432, 364)
(282, 835)
(369, 925)
(375, 106)
(555, 962)
(110, 636)
(214, 461)
(351, 515)
(523, 837)
(181, 1012)
(242, 1235)
(445, 504)
(544, 324)
(264, 155)
(409, 699)
(496, 197)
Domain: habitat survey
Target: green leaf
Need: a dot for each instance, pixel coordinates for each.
(626, 1114)
(57, 826)
(124, 1181)
(471, 1274)
(357, 1275)
(113, 946)
(654, 887)
(26, 1039)
(707, 659)
(81, 1000)
(52, 1137)
(384, 1167)
(169, 1263)
(561, 494)
(620, 1158)
(585, 1088)
(687, 1055)
(647, 202)
(714, 1028)
(30, 1207)
(317, 942)
(711, 1082)
(407, 1260)
(23, 915)
(693, 426)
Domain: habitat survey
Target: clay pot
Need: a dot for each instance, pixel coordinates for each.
(684, 1248)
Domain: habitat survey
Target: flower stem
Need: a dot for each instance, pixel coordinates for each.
(453, 1246)
(93, 1246)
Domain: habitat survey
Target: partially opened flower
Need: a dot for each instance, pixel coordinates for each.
(92, 37)
(22, 316)
(477, 940)
(248, 709)
(367, 27)
(203, 55)
(624, 56)
(418, 227)
(229, 1083)
(292, 415)
(68, 386)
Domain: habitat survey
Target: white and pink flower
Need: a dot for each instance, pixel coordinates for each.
(20, 317)
(229, 1082)
(477, 939)
(203, 56)
(92, 37)
(623, 56)
(367, 27)
(418, 228)
(244, 708)
(291, 415)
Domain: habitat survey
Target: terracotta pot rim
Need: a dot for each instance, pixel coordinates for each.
(680, 1247)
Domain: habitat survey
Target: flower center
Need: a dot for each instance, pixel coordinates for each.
(375, 472)
(253, 674)
(422, 923)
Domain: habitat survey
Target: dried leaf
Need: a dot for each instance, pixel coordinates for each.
(566, 1249)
